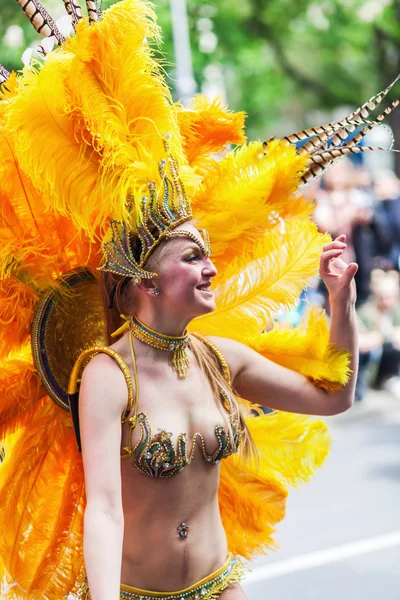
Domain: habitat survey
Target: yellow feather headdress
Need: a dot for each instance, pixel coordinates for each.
(81, 137)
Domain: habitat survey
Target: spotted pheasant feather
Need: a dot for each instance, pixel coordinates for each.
(320, 135)
(319, 161)
(4, 74)
(347, 126)
(328, 142)
(74, 10)
(341, 136)
(41, 20)
(93, 10)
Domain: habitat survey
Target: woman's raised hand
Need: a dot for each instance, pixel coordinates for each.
(337, 275)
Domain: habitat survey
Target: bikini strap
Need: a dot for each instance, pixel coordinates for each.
(73, 386)
(133, 419)
(135, 399)
(220, 357)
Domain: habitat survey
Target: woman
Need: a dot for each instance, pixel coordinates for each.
(134, 521)
(92, 141)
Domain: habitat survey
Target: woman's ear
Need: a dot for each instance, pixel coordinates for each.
(147, 286)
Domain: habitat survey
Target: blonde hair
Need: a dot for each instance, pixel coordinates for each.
(211, 367)
(117, 291)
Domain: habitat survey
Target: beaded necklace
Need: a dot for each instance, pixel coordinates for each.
(169, 343)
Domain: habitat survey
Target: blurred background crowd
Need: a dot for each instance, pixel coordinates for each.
(365, 206)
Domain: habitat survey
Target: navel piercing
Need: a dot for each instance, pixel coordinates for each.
(155, 292)
(183, 530)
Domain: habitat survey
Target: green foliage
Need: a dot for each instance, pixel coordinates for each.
(280, 59)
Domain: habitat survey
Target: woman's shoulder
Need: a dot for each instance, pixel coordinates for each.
(102, 361)
(232, 352)
(104, 378)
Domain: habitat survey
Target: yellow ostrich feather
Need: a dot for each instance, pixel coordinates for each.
(305, 349)
(36, 244)
(252, 495)
(42, 543)
(250, 507)
(80, 132)
(20, 388)
(17, 303)
(255, 288)
(62, 561)
(207, 127)
(247, 193)
(46, 147)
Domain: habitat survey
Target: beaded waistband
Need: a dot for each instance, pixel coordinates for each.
(208, 588)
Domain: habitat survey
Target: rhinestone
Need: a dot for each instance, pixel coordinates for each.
(147, 455)
(203, 591)
(145, 198)
(163, 162)
(156, 465)
(197, 597)
(217, 462)
(171, 347)
(168, 136)
(166, 465)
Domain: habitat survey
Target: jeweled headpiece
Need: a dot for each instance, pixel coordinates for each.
(157, 221)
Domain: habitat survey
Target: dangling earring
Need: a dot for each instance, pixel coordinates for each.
(156, 292)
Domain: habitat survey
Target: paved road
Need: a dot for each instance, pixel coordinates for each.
(341, 537)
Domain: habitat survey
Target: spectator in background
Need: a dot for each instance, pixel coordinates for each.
(345, 204)
(387, 191)
(379, 335)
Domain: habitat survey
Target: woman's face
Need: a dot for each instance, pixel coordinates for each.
(185, 275)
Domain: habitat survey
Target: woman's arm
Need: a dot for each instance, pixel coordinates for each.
(264, 382)
(102, 400)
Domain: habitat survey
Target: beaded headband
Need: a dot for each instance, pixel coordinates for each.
(119, 256)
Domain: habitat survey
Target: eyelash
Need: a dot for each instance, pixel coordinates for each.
(191, 258)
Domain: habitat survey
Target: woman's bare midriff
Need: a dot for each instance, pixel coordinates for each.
(154, 556)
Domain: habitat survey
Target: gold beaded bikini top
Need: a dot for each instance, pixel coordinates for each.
(156, 455)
